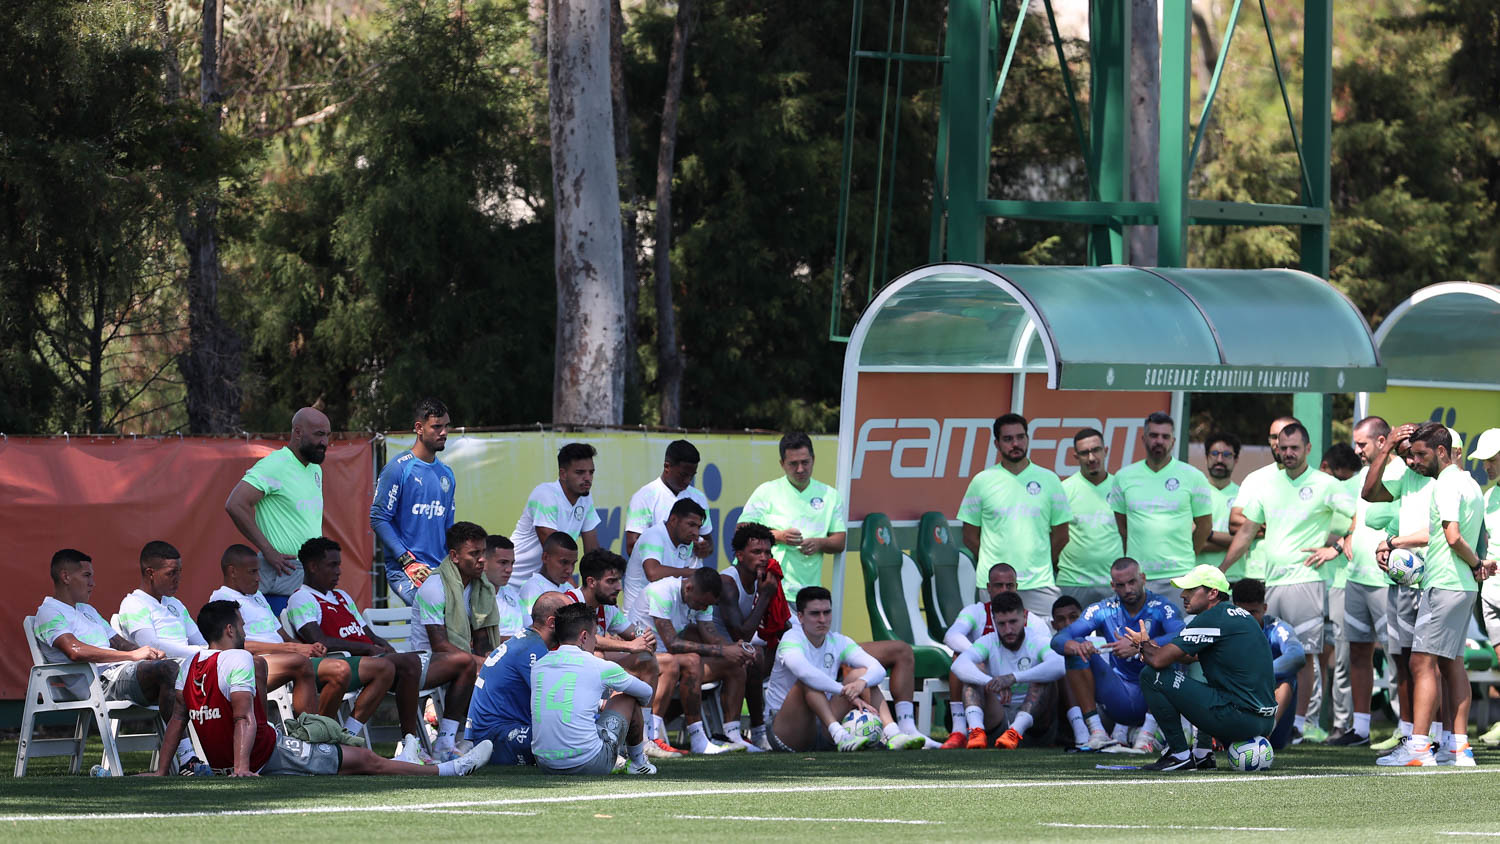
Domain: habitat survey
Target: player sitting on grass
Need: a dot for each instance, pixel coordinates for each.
(1236, 703)
(681, 610)
(69, 630)
(324, 614)
(500, 710)
(1287, 655)
(750, 593)
(1010, 676)
(570, 733)
(220, 691)
(973, 622)
(806, 702)
(286, 658)
(1112, 682)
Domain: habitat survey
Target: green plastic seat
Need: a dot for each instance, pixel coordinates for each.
(893, 581)
(942, 592)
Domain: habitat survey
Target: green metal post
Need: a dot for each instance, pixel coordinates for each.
(1109, 121)
(1172, 186)
(1316, 410)
(966, 83)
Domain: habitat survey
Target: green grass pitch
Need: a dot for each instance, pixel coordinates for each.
(1312, 794)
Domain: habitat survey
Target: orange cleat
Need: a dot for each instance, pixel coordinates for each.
(1008, 740)
(667, 749)
(955, 741)
(977, 739)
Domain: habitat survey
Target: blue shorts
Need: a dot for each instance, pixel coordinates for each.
(512, 743)
(1118, 695)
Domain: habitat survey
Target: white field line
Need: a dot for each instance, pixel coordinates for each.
(1171, 826)
(1237, 780)
(798, 820)
(1474, 834)
(471, 812)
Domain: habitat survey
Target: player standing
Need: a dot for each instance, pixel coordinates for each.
(653, 502)
(413, 507)
(1093, 537)
(1221, 451)
(562, 505)
(806, 516)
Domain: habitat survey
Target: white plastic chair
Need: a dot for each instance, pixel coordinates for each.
(46, 692)
(393, 624)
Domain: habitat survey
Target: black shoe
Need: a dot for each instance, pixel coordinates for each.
(1349, 739)
(1204, 763)
(1168, 763)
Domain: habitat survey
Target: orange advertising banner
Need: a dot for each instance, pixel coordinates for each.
(921, 437)
(109, 496)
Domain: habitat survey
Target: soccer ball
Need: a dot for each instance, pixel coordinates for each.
(1406, 567)
(1251, 754)
(861, 723)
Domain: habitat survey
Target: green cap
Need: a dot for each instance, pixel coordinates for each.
(1204, 575)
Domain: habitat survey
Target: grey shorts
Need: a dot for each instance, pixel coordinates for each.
(121, 683)
(1086, 594)
(1364, 612)
(1443, 622)
(426, 657)
(273, 582)
(1304, 606)
(612, 727)
(1040, 600)
(1166, 591)
(822, 742)
(1489, 606)
(1401, 617)
(295, 757)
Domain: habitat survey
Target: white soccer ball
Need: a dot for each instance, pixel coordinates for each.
(861, 723)
(1406, 567)
(1251, 754)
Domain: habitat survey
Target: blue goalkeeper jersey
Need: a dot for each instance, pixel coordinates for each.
(1107, 617)
(1287, 653)
(502, 694)
(413, 509)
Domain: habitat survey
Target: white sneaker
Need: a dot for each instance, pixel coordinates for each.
(853, 742)
(1404, 756)
(1098, 740)
(474, 759)
(713, 748)
(409, 750)
(762, 742)
(749, 747)
(656, 751)
(904, 741)
(635, 769)
(620, 763)
(1462, 758)
(1145, 742)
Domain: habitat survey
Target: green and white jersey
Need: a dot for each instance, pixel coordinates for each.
(1015, 515)
(1255, 558)
(652, 504)
(431, 607)
(1296, 513)
(566, 686)
(1222, 500)
(816, 512)
(817, 666)
(513, 621)
(1033, 662)
(289, 513)
(1368, 533)
(1340, 525)
(1413, 493)
(663, 599)
(548, 507)
(655, 543)
(165, 625)
(1491, 522)
(1234, 654)
(1455, 498)
(1159, 508)
(1093, 537)
(55, 618)
(261, 625)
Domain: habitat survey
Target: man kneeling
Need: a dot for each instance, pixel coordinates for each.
(569, 733)
(806, 703)
(1018, 680)
(218, 690)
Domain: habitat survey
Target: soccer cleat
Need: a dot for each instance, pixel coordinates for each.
(1405, 757)
(762, 742)
(1098, 740)
(1349, 739)
(1204, 763)
(640, 768)
(955, 741)
(1008, 740)
(853, 742)
(1169, 763)
(430, 714)
(1313, 734)
(190, 766)
(1145, 743)
(739, 742)
(663, 750)
(1389, 744)
(1461, 758)
(905, 741)
(1492, 738)
(620, 763)
(713, 748)
(978, 739)
(474, 759)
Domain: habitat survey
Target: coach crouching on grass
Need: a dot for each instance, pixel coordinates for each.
(1238, 701)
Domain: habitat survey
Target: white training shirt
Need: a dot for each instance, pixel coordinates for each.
(512, 619)
(663, 599)
(164, 625)
(54, 619)
(566, 685)
(652, 504)
(548, 507)
(974, 618)
(817, 666)
(261, 625)
(539, 586)
(430, 607)
(655, 544)
(1033, 662)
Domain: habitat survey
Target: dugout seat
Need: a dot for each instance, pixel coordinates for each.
(46, 692)
(393, 624)
(893, 582)
(944, 592)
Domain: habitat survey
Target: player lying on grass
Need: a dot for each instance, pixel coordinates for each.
(570, 732)
(805, 700)
(500, 710)
(219, 690)
(1010, 677)
(1287, 656)
(1111, 679)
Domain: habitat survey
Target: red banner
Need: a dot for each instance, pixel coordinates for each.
(109, 496)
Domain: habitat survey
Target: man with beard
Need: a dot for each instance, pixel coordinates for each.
(1163, 507)
(562, 505)
(413, 506)
(1010, 677)
(750, 592)
(1254, 566)
(1093, 537)
(615, 638)
(278, 505)
(1221, 451)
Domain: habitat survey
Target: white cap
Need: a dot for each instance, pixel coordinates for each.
(1488, 445)
(1458, 441)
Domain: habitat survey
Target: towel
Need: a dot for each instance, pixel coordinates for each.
(779, 614)
(456, 615)
(317, 729)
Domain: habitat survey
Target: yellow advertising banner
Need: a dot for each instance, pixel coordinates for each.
(497, 470)
(1466, 411)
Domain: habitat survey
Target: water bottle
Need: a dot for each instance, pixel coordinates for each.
(100, 771)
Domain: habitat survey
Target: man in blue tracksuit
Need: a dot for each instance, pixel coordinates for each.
(413, 506)
(1287, 655)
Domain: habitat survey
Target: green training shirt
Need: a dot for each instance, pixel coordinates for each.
(816, 511)
(1159, 508)
(1015, 515)
(1296, 512)
(1093, 537)
(1455, 498)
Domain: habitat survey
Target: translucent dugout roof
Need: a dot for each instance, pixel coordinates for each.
(1444, 334)
(1123, 328)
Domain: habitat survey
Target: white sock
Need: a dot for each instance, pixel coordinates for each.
(1298, 722)
(448, 769)
(732, 731)
(904, 716)
(1457, 741)
(1436, 730)
(758, 733)
(1420, 742)
(1405, 727)
(1183, 755)
(960, 723)
(1080, 729)
(1094, 722)
(1022, 723)
(891, 729)
(354, 725)
(837, 732)
(1122, 733)
(975, 716)
(658, 727)
(697, 738)
(1149, 726)
(1362, 724)
(447, 730)
(637, 753)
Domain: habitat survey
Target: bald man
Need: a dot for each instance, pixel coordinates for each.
(278, 505)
